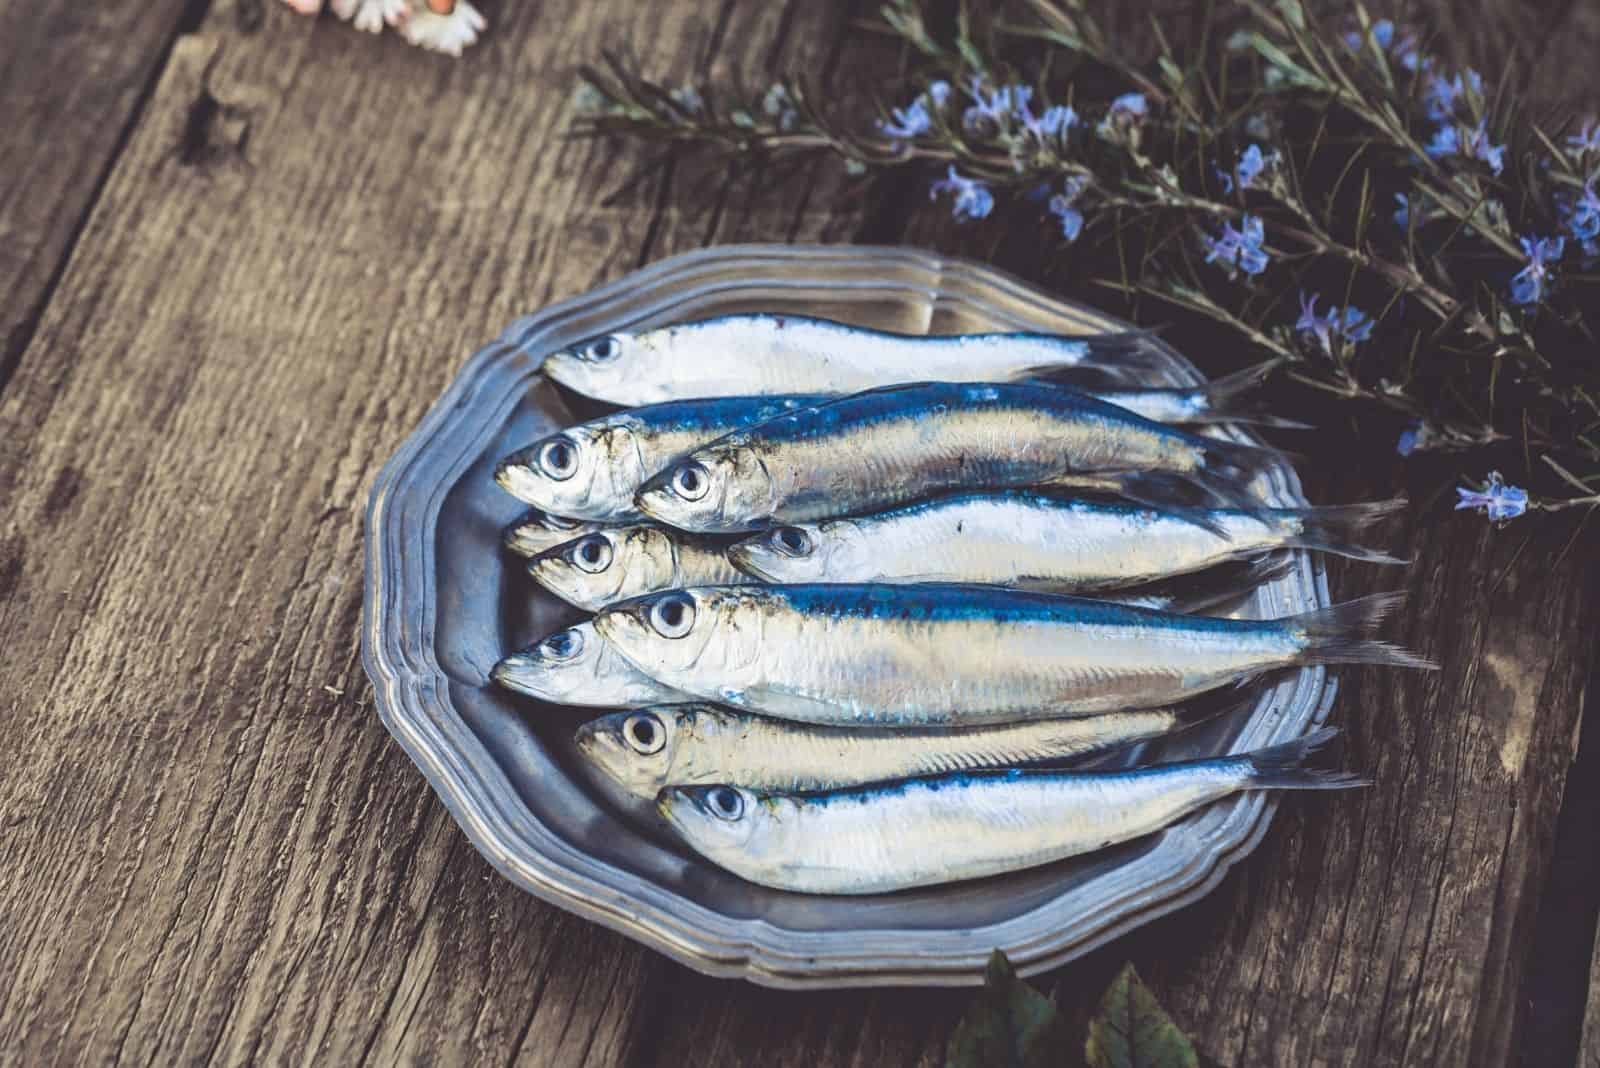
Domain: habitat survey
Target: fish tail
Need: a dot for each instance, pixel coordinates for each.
(1341, 634)
(1286, 767)
(1126, 357)
(1342, 528)
(1225, 399)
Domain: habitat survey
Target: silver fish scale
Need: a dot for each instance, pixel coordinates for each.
(919, 833)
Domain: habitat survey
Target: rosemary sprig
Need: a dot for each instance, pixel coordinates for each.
(1231, 178)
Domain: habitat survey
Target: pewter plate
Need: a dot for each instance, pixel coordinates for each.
(444, 602)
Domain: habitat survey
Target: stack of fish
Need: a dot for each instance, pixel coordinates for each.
(860, 596)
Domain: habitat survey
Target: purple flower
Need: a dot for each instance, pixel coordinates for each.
(1443, 94)
(1403, 46)
(1239, 249)
(1063, 206)
(1402, 214)
(1252, 161)
(1129, 105)
(972, 198)
(1352, 325)
(908, 122)
(1586, 139)
(1409, 438)
(1452, 140)
(1500, 502)
(993, 110)
(916, 119)
(1581, 215)
(1055, 122)
(1124, 113)
(1528, 285)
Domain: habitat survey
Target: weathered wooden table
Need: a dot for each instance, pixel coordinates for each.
(240, 254)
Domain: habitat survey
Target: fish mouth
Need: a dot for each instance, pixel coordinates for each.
(511, 672)
(551, 572)
(517, 477)
(660, 505)
(748, 555)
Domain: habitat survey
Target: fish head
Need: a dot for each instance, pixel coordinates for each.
(606, 566)
(555, 666)
(608, 366)
(720, 821)
(590, 471)
(635, 749)
(685, 636)
(536, 531)
(718, 489)
(800, 552)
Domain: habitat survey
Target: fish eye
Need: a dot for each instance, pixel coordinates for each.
(690, 481)
(563, 645)
(725, 803)
(791, 541)
(644, 733)
(605, 348)
(593, 554)
(673, 616)
(558, 458)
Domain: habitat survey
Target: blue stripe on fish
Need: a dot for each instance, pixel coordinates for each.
(721, 414)
(950, 602)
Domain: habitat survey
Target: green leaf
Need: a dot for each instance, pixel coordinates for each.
(1010, 1025)
(1133, 1031)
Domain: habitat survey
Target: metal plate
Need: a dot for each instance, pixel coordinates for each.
(444, 602)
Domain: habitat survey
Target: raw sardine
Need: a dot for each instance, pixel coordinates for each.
(613, 565)
(593, 470)
(535, 531)
(682, 745)
(754, 354)
(892, 446)
(876, 839)
(953, 655)
(1046, 543)
(576, 666)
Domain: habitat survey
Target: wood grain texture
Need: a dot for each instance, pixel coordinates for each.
(212, 849)
(58, 134)
(218, 851)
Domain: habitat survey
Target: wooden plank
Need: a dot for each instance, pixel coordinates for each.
(58, 134)
(220, 852)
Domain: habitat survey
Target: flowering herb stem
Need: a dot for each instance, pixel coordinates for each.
(1230, 175)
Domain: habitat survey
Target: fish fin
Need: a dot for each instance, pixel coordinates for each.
(1127, 357)
(1230, 467)
(1285, 767)
(1164, 492)
(1339, 634)
(1338, 529)
(1225, 399)
(1236, 586)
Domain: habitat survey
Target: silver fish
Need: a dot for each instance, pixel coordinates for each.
(952, 655)
(535, 531)
(577, 666)
(1045, 543)
(754, 354)
(892, 446)
(926, 831)
(680, 745)
(593, 470)
(622, 562)
(1216, 402)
